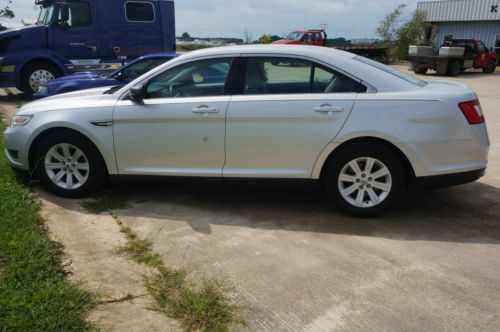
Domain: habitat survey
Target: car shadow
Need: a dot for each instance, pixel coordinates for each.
(464, 214)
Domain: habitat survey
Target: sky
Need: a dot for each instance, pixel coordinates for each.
(229, 18)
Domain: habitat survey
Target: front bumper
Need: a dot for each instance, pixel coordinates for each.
(16, 146)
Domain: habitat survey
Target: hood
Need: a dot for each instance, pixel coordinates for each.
(68, 101)
(83, 76)
(29, 37)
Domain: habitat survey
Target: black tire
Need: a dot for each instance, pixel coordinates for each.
(454, 68)
(33, 67)
(491, 68)
(96, 166)
(352, 152)
(421, 70)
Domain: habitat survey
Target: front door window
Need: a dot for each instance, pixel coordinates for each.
(196, 79)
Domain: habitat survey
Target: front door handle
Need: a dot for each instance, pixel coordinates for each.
(92, 48)
(204, 109)
(327, 108)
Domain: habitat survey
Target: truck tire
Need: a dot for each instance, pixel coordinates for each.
(454, 68)
(491, 68)
(36, 73)
(421, 70)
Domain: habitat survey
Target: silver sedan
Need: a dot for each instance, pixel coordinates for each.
(364, 131)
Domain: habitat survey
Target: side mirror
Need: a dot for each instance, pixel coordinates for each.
(137, 93)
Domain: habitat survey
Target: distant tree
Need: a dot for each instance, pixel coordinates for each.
(389, 26)
(265, 39)
(6, 12)
(398, 33)
(416, 31)
(275, 38)
(185, 36)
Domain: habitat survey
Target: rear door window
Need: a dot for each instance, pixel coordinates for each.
(277, 76)
(294, 76)
(327, 80)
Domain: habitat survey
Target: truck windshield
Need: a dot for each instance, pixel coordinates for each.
(45, 16)
(294, 35)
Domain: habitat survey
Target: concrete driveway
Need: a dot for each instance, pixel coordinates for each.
(296, 263)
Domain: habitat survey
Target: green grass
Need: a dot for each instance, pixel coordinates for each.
(35, 292)
(204, 308)
(140, 251)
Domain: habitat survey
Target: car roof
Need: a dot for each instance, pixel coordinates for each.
(311, 51)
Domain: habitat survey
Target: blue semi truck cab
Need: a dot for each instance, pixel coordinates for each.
(82, 35)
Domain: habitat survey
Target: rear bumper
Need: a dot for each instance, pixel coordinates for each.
(448, 180)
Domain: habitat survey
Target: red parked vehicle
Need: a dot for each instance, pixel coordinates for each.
(305, 37)
(476, 56)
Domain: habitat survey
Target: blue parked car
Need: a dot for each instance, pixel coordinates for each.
(88, 80)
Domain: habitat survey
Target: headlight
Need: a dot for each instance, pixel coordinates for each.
(43, 89)
(21, 120)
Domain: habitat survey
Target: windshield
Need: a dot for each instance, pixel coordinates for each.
(45, 15)
(138, 69)
(294, 35)
(390, 70)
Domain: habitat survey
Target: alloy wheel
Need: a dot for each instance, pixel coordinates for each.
(67, 166)
(365, 182)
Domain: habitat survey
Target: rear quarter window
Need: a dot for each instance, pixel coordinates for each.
(391, 71)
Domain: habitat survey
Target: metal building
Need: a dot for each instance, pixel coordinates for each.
(465, 19)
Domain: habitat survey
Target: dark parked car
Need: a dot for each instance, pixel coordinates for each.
(88, 80)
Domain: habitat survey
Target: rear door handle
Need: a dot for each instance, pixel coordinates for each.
(327, 108)
(204, 109)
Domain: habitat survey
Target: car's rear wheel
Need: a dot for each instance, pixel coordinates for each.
(69, 165)
(364, 179)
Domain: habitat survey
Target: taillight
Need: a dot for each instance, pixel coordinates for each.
(472, 111)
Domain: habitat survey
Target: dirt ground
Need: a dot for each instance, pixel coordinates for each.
(295, 263)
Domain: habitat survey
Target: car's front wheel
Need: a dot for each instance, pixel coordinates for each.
(364, 179)
(69, 165)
